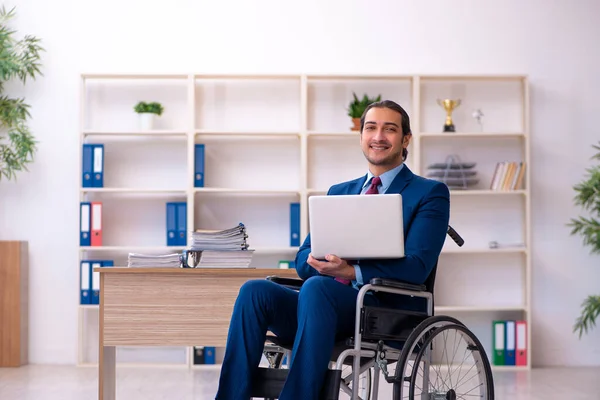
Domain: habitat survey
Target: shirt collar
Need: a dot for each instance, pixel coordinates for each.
(386, 178)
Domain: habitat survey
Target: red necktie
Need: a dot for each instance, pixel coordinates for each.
(372, 190)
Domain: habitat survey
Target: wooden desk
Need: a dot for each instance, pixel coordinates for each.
(166, 307)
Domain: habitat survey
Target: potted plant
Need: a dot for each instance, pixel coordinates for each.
(20, 59)
(147, 112)
(357, 107)
(588, 197)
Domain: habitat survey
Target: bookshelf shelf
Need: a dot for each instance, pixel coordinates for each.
(268, 133)
(473, 78)
(452, 309)
(473, 135)
(466, 251)
(228, 137)
(275, 139)
(246, 192)
(244, 77)
(133, 249)
(133, 191)
(484, 192)
(93, 76)
(501, 368)
(145, 134)
(339, 135)
(359, 78)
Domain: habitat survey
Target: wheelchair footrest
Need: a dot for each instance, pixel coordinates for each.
(268, 383)
(388, 324)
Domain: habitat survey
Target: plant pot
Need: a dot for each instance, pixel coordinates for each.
(146, 121)
(356, 122)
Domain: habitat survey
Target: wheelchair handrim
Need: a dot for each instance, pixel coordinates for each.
(476, 352)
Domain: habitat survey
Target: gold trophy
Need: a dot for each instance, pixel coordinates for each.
(449, 105)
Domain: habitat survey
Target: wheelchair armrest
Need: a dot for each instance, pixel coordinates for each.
(384, 323)
(292, 283)
(392, 283)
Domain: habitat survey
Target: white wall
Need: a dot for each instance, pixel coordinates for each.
(555, 42)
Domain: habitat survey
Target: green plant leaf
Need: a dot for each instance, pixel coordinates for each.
(149, 107)
(590, 309)
(587, 196)
(19, 59)
(357, 106)
(17, 152)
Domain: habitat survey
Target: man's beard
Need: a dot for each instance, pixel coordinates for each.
(391, 159)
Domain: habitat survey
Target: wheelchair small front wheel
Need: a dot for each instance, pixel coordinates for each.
(448, 362)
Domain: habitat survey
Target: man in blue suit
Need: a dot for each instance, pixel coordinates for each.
(324, 309)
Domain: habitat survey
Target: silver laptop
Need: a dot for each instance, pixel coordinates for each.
(356, 226)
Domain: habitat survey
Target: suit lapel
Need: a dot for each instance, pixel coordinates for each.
(398, 185)
(356, 186)
(401, 180)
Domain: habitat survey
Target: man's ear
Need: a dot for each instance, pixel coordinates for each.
(406, 139)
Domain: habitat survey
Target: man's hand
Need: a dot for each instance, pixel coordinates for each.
(334, 266)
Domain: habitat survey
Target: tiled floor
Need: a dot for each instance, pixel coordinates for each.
(72, 383)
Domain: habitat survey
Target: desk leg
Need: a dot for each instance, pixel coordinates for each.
(107, 357)
(106, 373)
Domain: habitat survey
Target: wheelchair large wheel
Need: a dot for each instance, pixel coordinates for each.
(443, 359)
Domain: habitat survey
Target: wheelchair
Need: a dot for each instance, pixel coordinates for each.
(424, 367)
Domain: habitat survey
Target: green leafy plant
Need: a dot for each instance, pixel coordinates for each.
(357, 106)
(150, 107)
(588, 197)
(18, 59)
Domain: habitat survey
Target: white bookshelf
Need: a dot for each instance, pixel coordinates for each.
(276, 139)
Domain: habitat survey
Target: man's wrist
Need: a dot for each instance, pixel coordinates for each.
(351, 272)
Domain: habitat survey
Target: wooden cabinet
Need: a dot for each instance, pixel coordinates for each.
(13, 303)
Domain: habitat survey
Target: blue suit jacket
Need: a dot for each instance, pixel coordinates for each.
(426, 214)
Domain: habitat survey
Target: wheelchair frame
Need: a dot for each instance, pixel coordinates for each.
(391, 287)
(361, 348)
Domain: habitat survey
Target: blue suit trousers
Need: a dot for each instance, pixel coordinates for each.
(323, 310)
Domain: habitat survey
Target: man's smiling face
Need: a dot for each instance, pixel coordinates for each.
(382, 140)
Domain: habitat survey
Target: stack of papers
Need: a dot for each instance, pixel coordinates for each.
(220, 258)
(227, 239)
(226, 248)
(135, 260)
